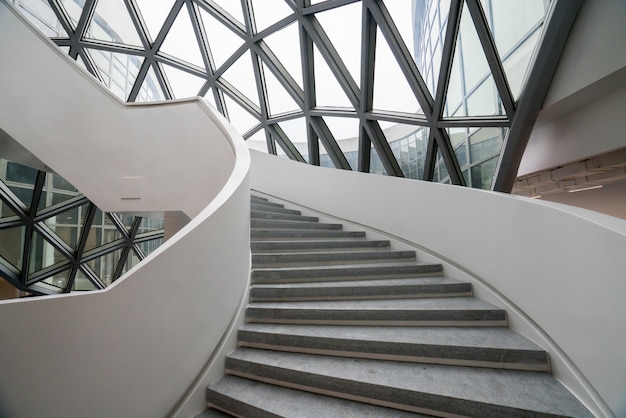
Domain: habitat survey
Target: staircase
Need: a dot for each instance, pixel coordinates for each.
(341, 326)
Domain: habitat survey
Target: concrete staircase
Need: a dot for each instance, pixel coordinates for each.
(341, 326)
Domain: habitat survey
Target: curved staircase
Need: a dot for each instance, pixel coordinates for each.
(339, 325)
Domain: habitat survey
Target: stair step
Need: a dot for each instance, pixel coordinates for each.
(495, 347)
(416, 387)
(345, 272)
(273, 209)
(254, 198)
(250, 398)
(256, 214)
(361, 289)
(453, 311)
(303, 246)
(260, 234)
(261, 260)
(292, 225)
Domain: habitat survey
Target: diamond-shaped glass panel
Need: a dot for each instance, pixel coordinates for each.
(328, 91)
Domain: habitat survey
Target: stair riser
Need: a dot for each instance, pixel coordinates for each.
(273, 209)
(355, 273)
(380, 317)
(292, 225)
(407, 400)
(259, 235)
(264, 247)
(282, 216)
(347, 293)
(332, 258)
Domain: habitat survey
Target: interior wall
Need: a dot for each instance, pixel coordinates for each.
(610, 199)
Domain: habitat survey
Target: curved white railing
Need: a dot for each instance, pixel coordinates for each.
(559, 271)
(147, 345)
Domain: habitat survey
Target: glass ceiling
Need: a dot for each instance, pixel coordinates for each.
(413, 88)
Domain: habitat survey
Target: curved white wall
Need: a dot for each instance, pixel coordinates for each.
(558, 270)
(144, 157)
(148, 345)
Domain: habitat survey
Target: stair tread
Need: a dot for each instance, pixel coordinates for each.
(500, 338)
(290, 402)
(362, 283)
(451, 389)
(346, 266)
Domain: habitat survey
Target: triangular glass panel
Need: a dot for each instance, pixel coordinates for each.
(391, 89)
(111, 22)
(149, 246)
(482, 174)
(458, 139)
(279, 148)
(6, 211)
(118, 71)
(346, 133)
(343, 27)
(455, 105)
(42, 17)
(182, 33)
(279, 100)
(516, 64)
(268, 12)
(58, 279)
(295, 129)
(283, 44)
(233, 8)
(12, 244)
(328, 91)
(99, 234)
(150, 89)
(239, 117)
(376, 164)
(151, 224)
(104, 266)
(60, 183)
(408, 144)
(325, 160)
(210, 96)
(511, 23)
(183, 84)
(441, 174)
(154, 14)
(43, 254)
(257, 142)
(82, 283)
(73, 10)
(423, 32)
(68, 225)
(241, 76)
(223, 42)
(485, 143)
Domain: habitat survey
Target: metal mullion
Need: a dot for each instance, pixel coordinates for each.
(139, 23)
(103, 250)
(330, 144)
(431, 157)
(327, 5)
(37, 189)
(61, 42)
(480, 122)
(179, 64)
(61, 207)
(403, 56)
(491, 53)
(248, 16)
(447, 152)
(280, 72)
(274, 27)
(9, 274)
(368, 65)
(46, 273)
(56, 242)
(313, 146)
(11, 222)
(333, 59)
(222, 16)
(308, 80)
(397, 117)
(281, 138)
(64, 19)
(271, 144)
(141, 77)
(166, 88)
(447, 57)
(90, 64)
(112, 47)
(128, 237)
(13, 201)
(230, 61)
(92, 276)
(377, 136)
(85, 18)
(167, 24)
(334, 111)
(138, 252)
(117, 223)
(87, 224)
(200, 33)
(148, 236)
(560, 19)
(239, 98)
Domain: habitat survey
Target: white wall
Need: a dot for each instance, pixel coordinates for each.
(558, 270)
(583, 114)
(144, 157)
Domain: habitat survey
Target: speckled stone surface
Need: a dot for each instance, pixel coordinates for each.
(336, 245)
(256, 399)
(257, 214)
(273, 209)
(269, 234)
(324, 258)
(294, 225)
(459, 390)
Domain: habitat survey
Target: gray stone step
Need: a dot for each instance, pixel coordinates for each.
(266, 203)
(273, 209)
(361, 289)
(344, 272)
(258, 198)
(495, 347)
(256, 214)
(418, 387)
(325, 258)
(453, 311)
(305, 246)
(249, 398)
(263, 234)
(292, 225)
